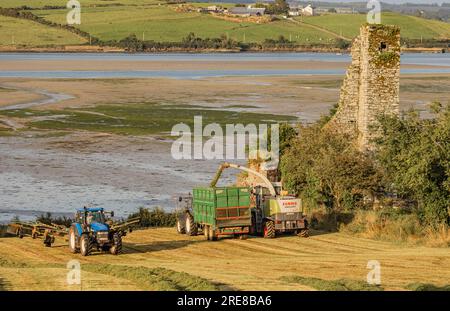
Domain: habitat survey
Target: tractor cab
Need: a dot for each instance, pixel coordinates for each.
(93, 217)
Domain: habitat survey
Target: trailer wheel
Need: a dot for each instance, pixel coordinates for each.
(181, 226)
(206, 232)
(48, 239)
(269, 229)
(253, 226)
(19, 233)
(212, 234)
(72, 240)
(86, 245)
(191, 226)
(116, 249)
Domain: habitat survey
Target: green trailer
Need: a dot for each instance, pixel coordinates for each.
(217, 211)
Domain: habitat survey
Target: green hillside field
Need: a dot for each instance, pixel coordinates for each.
(14, 31)
(152, 20)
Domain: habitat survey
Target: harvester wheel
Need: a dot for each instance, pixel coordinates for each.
(72, 240)
(181, 226)
(116, 249)
(86, 245)
(243, 237)
(304, 233)
(191, 226)
(269, 229)
(206, 232)
(212, 234)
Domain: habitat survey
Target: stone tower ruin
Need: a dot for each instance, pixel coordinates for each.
(371, 85)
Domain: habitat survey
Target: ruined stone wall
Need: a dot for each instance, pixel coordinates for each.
(371, 84)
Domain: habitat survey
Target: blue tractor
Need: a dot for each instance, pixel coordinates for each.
(92, 229)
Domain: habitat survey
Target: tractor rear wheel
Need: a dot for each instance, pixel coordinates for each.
(191, 226)
(72, 240)
(269, 229)
(181, 226)
(116, 249)
(86, 245)
(206, 232)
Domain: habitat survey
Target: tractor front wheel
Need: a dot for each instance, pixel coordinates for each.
(116, 249)
(86, 245)
(269, 229)
(191, 226)
(72, 240)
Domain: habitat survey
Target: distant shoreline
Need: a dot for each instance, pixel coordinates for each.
(107, 49)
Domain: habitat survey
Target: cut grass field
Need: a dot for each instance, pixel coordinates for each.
(160, 259)
(117, 19)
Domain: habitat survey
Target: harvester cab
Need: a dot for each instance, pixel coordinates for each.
(92, 228)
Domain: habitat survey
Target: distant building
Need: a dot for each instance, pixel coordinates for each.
(326, 10)
(214, 9)
(308, 10)
(248, 11)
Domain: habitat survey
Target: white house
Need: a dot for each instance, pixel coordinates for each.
(308, 10)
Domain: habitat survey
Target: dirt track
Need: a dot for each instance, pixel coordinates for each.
(253, 264)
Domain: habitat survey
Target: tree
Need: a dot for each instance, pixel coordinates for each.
(415, 154)
(325, 168)
(342, 44)
(278, 7)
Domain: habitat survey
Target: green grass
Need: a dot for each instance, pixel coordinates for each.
(427, 287)
(334, 285)
(143, 119)
(411, 27)
(5, 132)
(156, 278)
(87, 3)
(117, 19)
(163, 24)
(23, 32)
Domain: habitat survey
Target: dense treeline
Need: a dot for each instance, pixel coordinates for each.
(49, 219)
(408, 172)
(155, 217)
